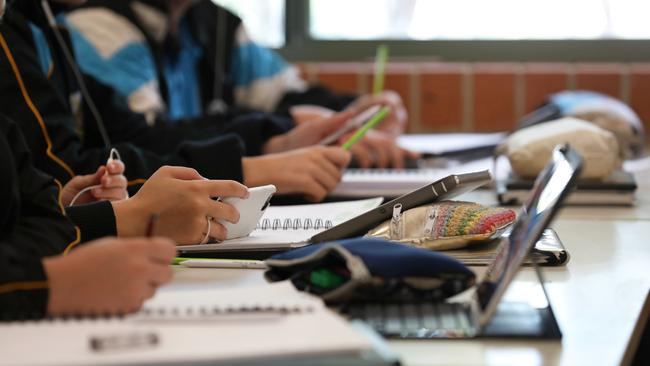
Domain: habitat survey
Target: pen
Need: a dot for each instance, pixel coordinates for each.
(380, 66)
(151, 226)
(372, 122)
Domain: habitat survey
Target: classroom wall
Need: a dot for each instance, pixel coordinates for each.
(485, 96)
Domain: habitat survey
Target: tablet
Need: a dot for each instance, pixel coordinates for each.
(443, 189)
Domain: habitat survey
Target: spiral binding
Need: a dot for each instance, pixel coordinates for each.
(293, 224)
(172, 312)
(207, 311)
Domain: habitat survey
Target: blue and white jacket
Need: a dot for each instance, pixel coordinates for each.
(127, 44)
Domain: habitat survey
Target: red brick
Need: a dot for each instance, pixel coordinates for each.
(603, 78)
(441, 97)
(640, 93)
(541, 80)
(341, 77)
(494, 101)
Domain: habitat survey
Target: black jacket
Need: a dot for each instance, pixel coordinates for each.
(41, 106)
(32, 226)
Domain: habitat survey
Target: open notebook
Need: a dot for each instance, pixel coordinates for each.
(286, 227)
(358, 183)
(190, 331)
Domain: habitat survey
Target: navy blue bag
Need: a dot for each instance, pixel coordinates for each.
(367, 269)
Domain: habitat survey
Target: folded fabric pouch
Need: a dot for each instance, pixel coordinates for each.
(445, 225)
(368, 269)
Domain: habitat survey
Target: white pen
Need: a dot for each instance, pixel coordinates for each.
(223, 263)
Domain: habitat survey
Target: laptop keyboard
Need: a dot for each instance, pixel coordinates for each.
(414, 320)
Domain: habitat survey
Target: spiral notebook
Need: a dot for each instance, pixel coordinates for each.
(286, 227)
(360, 183)
(188, 330)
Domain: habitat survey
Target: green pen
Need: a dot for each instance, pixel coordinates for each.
(372, 122)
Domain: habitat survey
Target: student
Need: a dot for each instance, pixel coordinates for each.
(178, 59)
(43, 105)
(36, 279)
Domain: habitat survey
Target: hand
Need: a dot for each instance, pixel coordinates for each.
(395, 123)
(313, 171)
(307, 133)
(183, 199)
(110, 178)
(378, 149)
(306, 113)
(108, 276)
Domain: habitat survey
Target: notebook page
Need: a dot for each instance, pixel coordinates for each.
(393, 182)
(437, 144)
(285, 234)
(314, 333)
(188, 302)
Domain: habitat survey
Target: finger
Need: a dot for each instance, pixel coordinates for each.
(379, 148)
(180, 172)
(397, 157)
(338, 156)
(114, 181)
(82, 181)
(314, 192)
(217, 231)
(324, 163)
(223, 211)
(325, 180)
(223, 188)
(160, 250)
(115, 167)
(159, 274)
(111, 194)
(335, 122)
(363, 155)
(101, 171)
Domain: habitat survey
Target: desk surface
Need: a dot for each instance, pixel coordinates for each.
(597, 299)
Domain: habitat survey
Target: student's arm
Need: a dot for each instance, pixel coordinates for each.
(43, 114)
(162, 136)
(30, 214)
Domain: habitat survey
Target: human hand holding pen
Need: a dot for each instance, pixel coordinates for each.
(109, 276)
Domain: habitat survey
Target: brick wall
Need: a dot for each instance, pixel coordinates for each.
(486, 96)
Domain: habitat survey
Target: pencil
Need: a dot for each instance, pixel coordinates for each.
(380, 67)
(372, 122)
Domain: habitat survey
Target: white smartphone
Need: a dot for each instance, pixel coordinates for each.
(250, 210)
(352, 124)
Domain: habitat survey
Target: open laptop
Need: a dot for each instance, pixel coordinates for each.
(485, 314)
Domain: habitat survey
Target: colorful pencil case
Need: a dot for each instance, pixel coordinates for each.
(445, 225)
(368, 269)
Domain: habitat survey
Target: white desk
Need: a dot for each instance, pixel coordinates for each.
(597, 300)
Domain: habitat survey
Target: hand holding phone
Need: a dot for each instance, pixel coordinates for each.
(352, 124)
(250, 210)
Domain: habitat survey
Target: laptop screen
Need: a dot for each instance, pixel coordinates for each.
(548, 191)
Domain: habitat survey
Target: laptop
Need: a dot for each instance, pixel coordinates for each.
(485, 315)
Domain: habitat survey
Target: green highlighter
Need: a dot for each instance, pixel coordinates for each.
(372, 122)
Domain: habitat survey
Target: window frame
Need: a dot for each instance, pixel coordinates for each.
(299, 45)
